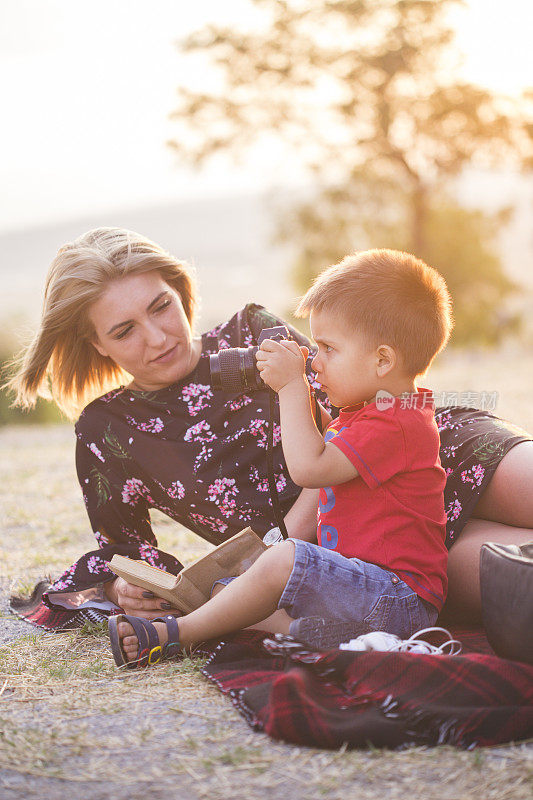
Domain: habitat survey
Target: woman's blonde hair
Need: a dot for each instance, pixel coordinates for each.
(61, 362)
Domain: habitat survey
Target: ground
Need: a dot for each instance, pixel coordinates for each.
(71, 724)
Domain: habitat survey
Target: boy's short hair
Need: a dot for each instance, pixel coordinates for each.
(389, 297)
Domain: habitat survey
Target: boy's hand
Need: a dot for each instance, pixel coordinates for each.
(281, 363)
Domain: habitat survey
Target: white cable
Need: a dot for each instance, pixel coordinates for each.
(388, 642)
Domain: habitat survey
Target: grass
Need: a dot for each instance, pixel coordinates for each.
(72, 723)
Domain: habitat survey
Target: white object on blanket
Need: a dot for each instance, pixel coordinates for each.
(388, 642)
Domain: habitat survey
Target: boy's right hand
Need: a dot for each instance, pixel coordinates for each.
(136, 601)
(280, 363)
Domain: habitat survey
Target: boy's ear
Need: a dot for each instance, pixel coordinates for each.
(386, 359)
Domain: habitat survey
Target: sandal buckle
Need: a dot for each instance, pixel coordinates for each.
(158, 651)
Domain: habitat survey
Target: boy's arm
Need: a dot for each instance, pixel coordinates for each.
(311, 462)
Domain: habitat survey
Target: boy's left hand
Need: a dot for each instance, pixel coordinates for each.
(281, 363)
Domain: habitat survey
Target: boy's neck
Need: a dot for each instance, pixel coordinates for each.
(397, 388)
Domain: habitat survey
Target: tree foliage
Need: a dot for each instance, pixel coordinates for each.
(366, 95)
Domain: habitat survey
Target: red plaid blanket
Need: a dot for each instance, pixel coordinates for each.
(327, 699)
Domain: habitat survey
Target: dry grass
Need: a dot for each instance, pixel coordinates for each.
(72, 724)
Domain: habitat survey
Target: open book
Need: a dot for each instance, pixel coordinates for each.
(192, 587)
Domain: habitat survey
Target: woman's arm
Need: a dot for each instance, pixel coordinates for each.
(301, 518)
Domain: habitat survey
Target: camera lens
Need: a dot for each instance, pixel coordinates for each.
(234, 369)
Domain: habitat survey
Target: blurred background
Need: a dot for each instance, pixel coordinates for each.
(262, 140)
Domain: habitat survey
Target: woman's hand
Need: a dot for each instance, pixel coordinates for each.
(137, 601)
(280, 363)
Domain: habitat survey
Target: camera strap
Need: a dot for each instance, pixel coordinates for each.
(270, 467)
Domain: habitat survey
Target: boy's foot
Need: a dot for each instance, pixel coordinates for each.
(129, 641)
(138, 642)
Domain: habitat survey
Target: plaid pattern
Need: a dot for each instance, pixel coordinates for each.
(381, 699)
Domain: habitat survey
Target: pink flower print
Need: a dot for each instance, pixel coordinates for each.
(281, 482)
(151, 555)
(442, 419)
(454, 510)
(96, 565)
(107, 398)
(311, 377)
(212, 523)
(238, 402)
(204, 455)
(154, 425)
(222, 492)
(261, 484)
(258, 428)
(176, 490)
(60, 585)
(131, 534)
(449, 451)
(94, 449)
(133, 490)
(197, 396)
(100, 539)
(474, 475)
(65, 581)
(201, 432)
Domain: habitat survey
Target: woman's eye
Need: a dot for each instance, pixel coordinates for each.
(163, 305)
(123, 333)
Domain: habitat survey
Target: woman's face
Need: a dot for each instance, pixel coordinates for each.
(140, 323)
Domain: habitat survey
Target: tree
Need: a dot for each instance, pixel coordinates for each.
(365, 92)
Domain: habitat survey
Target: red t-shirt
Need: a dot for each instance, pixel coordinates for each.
(392, 513)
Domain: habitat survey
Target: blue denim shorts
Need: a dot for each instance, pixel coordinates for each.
(325, 584)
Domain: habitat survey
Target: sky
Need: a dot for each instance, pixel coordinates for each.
(86, 90)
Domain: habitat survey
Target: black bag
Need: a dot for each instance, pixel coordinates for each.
(506, 575)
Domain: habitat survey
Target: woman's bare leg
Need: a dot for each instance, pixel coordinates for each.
(509, 496)
(504, 514)
(464, 596)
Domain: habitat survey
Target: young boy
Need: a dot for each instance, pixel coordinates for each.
(377, 559)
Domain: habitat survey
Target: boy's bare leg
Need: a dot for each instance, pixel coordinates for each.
(278, 622)
(250, 599)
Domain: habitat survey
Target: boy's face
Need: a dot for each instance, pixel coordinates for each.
(345, 365)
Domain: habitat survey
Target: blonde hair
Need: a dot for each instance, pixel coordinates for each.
(61, 362)
(388, 297)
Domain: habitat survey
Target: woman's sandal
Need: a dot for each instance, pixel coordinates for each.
(149, 650)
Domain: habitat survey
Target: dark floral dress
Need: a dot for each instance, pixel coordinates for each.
(199, 456)
(472, 444)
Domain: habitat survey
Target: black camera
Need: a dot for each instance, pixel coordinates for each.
(235, 369)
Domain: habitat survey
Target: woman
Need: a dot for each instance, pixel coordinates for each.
(118, 308)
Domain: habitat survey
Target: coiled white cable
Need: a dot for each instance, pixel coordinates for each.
(388, 642)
